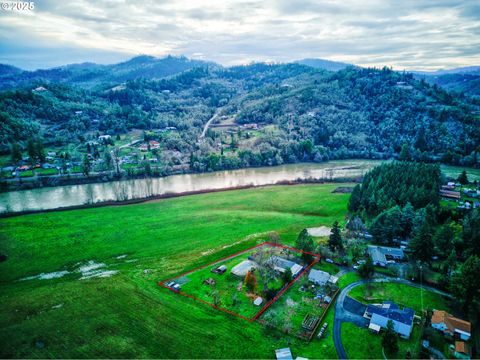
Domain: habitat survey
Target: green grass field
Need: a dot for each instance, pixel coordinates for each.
(128, 314)
(403, 295)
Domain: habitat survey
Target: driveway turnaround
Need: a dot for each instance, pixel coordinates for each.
(350, 310)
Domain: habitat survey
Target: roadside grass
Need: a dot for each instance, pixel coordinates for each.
(347, 279)
(386, 271)
(404, 295)
(128, 315)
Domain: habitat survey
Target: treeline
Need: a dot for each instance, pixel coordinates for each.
(314, 115)
(397, 184)
(399, 202)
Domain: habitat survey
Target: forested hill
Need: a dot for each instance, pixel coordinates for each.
(293, 112)
(461, 80)
(91, 75)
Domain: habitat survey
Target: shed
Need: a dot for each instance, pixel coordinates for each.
(283, 354)
(258, 301)
(220, 269)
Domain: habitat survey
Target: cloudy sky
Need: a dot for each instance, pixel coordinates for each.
(404, 34)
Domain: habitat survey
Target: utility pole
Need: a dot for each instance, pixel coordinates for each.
(421, 285)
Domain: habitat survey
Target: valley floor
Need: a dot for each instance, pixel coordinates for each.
(128, 314)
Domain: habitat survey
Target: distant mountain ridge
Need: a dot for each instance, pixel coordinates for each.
(90, 74)
(324, 64)
(464, 80)
(460, 70)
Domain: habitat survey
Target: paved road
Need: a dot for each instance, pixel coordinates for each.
(348, 309)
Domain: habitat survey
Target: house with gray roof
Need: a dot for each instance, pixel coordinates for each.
(320, 277)
(381, 314)
(281, 265)
(380, 255)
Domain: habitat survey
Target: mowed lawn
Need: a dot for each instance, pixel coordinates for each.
(403, 295)
(361, 343)
(128, 314)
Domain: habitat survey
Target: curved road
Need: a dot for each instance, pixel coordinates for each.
(344, 315)
(215, 115)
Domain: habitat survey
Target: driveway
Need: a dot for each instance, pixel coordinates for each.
(350, 310)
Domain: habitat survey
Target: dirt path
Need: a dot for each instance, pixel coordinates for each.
(212, 119)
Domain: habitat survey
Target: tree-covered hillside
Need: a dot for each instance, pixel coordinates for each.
(264, 114)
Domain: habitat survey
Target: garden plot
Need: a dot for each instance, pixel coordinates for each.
(300, 310)
(247, 283)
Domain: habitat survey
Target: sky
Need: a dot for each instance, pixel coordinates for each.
(403, 34)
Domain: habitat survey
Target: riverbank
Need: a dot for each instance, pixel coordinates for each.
(148, 188)
(46, 181)
(174, 195)
(142, 189)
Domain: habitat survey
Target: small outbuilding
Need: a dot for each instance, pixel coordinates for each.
(243, 268)
(283, 354)
(219, 270)
(209, 281)
(258, 301)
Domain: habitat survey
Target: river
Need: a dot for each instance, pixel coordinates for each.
(74, 195)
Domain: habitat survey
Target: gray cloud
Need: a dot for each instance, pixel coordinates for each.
(425, 34)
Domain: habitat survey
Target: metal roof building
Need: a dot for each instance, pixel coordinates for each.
(402, 320)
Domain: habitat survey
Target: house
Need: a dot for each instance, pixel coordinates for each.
(450, 325)
(455, 195)
(39, 89)
(154, 144)
(48, 166)
(220, 270)
(320, 277)
(283, 354)
(281, 265)
(380, 255)
(243, 268)
(461, 350)
(252, 126)
(104, 137)
(381, 314)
